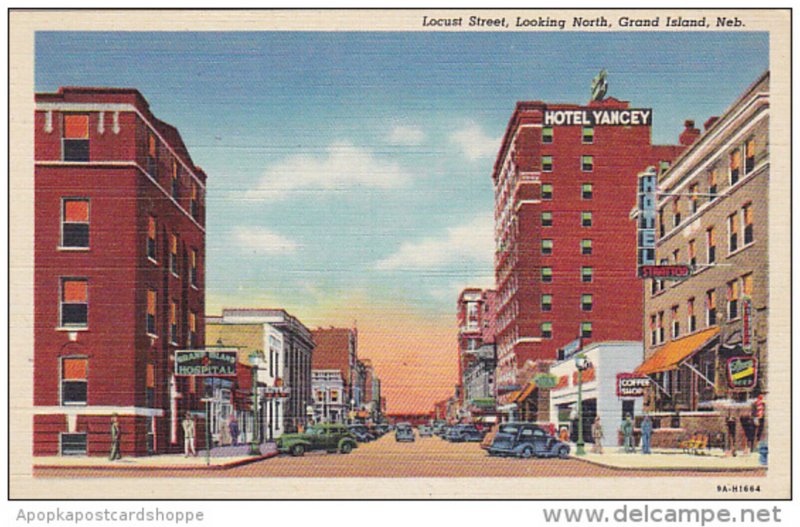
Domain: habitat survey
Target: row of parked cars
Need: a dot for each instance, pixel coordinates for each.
(331, 437)
(525, 440)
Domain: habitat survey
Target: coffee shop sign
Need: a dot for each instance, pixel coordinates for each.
(591, 117)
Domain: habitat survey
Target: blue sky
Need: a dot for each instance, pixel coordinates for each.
(354, 168)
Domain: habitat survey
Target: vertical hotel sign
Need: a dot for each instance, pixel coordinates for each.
(646, 245)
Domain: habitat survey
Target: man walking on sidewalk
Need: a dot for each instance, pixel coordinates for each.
(115, 436)
(188, 435)
(627, 434)
(647, 434)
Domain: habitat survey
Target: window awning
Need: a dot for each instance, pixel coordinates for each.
(525, 393)
(673, 354)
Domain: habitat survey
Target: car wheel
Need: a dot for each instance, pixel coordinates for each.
(298, 450)
(526, 453)
(346, 448)
(563, 452)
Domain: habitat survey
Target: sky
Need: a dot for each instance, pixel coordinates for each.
(349, 173)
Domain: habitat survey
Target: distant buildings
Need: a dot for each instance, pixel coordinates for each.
(119, 250)
(476, 342)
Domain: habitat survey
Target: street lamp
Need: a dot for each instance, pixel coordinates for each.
(582, 364)
(255, 361)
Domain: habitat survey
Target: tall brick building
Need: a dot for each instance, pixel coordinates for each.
(565, 181)
(337, 349)
(119, 274)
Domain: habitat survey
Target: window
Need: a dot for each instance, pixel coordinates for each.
(152, 156)
(586, 191)
(676, 212)
(747, 285)
(193, 267)
(712, 184)
(692, 253)
(586, 330)
(74, 303)
(75, 140)
(334, 396)
(320, 396)
(586, 274)
(547, 274)
(587, 136)
(192, 338)
(75, 223)
(733, 300)
(174, 183)
(586, 302)
(150, 386)
(587, 163)
(547, 246)
(749, 155)
(660, 327)
(547, 134)
(547, 191)
(661, 229)
(173, 322)
(733, 233)
(151, 312)
(747, 219)
(547, 219)
(735, 165)
(73, 444)
(547, 330)
(693, 202)
(653, 331)
(711, 307)
(586, 246)
(173, 254)
(194, 208)
(691, 318)
(74, 380)
(547, 302)
(151, 238)
(711, 246)
(586, 219)
(676, 324)
(547, 163)
(676, 256)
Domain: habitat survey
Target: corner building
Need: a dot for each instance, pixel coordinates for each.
(119, 276)
(565, 181)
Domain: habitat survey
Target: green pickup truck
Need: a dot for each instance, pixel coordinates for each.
(329, 437)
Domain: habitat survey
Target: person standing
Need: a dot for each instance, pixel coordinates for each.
(115, 437)
(627, 434)
(597, 435)
(647, 434)
(188, 435)
(234, 429)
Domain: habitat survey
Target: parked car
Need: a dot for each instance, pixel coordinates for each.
(526, 440)
(464, 432)
(425, 431)
(440, 429)
(362, 433)
(404, 432)
(328, 437)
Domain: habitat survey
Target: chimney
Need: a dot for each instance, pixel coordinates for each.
(711, 120)
(689, 134)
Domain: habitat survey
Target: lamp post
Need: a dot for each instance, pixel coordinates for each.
(582, 364)
(255, 360)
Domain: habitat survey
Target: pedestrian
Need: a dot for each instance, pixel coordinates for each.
(188, 436)
(647, 434)
(627, 434)
(597, 435)
(234, 429)
(730, 423)
(758, 417)
(116, 433)
(563, 434)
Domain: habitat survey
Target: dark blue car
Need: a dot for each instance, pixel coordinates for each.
(463, 432)
(526, 440)
(404, 432)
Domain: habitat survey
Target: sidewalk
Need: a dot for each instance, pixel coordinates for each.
(220, 458)
(713, 460)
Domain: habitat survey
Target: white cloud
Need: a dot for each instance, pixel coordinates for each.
(262, 241)
(406, 136)
(344, 166)
(473, 143)
(473, 241)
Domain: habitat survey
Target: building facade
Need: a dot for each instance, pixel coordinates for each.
(475, 316)
(337, 349)
(706, 338)
(330, 404)
(119, 274)
(565, 181)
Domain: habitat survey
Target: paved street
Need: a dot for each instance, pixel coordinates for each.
(427, 457)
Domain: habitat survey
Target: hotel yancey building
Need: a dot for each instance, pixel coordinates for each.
(565, 182)
(119, 277)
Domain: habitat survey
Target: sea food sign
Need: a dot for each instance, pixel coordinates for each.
(599, 117)
(203, 363)
(631, 385)
(742, 372)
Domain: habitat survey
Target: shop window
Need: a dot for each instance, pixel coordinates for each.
(547, 163)
(173, 322)
(547, 246)
(73, 444)
(587, 274)
(733, 300)
(586, 302)
(587, 163)
(193, 267)
(676, 324)
(75, 139)
(711, 246)
(547, 302)
(586, 247)
(735, 166)
(586, 330)
(74, 380)
(586, 219)
(692, 253)
(712, 184)
(733, 233)
(749, 155)
(586, 191)
(547, 191)
(587, 135)
(547, 219)
(75, 223)
(547, 330)
(151, 312)
(547, 134)
(74, 303)
(747, 220)
(711, 307)
(173, 254)
(691, 318)
(547, 274)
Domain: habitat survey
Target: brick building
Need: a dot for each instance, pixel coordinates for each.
(712, 215)
(565, 181)
(119, 274)
(476, 348)
(337, 349)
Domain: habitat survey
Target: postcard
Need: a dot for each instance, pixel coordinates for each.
(414, 254)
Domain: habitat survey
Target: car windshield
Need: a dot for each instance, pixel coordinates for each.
(508, 429)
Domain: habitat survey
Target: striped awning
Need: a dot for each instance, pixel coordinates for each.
(673, 354)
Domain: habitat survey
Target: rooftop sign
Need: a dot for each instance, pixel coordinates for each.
(599, 117)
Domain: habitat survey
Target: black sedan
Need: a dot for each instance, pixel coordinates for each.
(526, 440)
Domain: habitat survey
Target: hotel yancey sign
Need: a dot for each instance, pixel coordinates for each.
(599, 117)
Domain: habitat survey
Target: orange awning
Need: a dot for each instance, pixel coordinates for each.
(674, 353)
(509, 398)
(525, 393)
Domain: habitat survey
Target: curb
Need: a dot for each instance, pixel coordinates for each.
(226, 466)
(670, 469)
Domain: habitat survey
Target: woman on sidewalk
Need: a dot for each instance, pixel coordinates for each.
(647, 434)
(597, 435)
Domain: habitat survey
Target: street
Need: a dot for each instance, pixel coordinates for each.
(426, 457)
